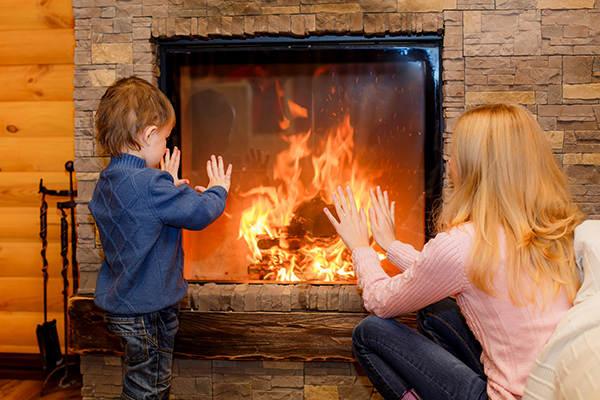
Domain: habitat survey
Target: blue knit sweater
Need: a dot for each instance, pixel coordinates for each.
(139, 214)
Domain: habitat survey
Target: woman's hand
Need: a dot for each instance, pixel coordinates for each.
(352, 227)
(383, 219)
(217, 176)
(171, 165)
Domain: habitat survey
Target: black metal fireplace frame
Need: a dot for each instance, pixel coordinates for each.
(429, 49)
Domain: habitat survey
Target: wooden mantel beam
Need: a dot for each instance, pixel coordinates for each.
(291, 336)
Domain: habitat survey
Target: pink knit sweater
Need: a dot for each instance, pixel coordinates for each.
(511, 336)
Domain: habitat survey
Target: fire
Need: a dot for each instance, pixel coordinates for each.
(285, 228)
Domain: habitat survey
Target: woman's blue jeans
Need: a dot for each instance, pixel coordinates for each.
(147, 341)
(441, 362)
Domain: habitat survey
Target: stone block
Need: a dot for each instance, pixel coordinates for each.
(280, 10)
(370, 25)
(425, 5)
(286, 298)
(312, 392)
(299, 297)
(281, 394)
(285, 24)
(555, 139)
(214, 26)
(564, 4)
(379, 5)
(515, 4)
(520, 97)
(322, 293)
(220, 8)
(577, 69)
(204, 386)
(112, 53)
(355, 392)
(181, 386)
(313, 297)
(249, 8)
(261, 383)
(596, 67)
(329, 8)
(330, 380)
(527, 43)
(355, 301)
(588, 91)
(284, 365)
(333, 298)
(310, 23)
(298, 28)
(231, 391)
(261, 24)
(287, 381)
(538, 76)
(342, 24)
(273, 24)
(251, 299)
(194, 4)
(203, 297)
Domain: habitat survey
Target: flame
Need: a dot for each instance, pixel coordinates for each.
(265, 223)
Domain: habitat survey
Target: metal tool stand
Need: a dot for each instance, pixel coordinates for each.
(64, 241)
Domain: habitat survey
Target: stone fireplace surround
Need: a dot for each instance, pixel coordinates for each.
(543, 54)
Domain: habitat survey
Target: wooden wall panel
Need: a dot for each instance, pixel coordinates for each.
(27, 294)
(22, 224)
(20, 189)
(36, 82)
(20, 119)
(37, 154)
(17, 331)
(36, 14)
(24, 259)
(56, 46)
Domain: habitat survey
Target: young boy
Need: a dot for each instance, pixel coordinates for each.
(140, 211)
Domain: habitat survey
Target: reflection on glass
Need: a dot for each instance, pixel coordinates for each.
(295, 127)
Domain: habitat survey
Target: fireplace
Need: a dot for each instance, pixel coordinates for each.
(297, 118)
(241, 338)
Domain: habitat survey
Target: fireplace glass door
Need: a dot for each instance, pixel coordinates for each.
(296, 120)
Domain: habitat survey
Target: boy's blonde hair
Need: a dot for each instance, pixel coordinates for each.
(507, 176)
(126, 108)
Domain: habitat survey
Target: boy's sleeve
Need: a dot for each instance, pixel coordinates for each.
(183, 207)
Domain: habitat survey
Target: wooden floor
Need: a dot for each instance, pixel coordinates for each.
(16, 389)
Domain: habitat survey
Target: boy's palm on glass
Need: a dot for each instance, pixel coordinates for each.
(170, 163)
(382, 217)
(217, 176)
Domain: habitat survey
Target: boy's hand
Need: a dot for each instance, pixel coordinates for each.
(171, 165)
(217, 176)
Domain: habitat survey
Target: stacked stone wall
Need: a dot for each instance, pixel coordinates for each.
(543, 54)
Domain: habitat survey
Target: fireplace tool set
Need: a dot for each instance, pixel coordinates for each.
(52, 358)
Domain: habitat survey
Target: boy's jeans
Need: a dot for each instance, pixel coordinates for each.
(147, 341)
(442, 363)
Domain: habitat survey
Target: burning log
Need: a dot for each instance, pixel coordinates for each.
(297, 253)
(309, 218)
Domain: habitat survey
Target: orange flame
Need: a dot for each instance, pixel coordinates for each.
(263, 225)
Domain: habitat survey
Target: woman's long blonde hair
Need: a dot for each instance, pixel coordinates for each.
(505, 175)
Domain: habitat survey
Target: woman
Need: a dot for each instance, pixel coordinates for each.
(504, 251)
